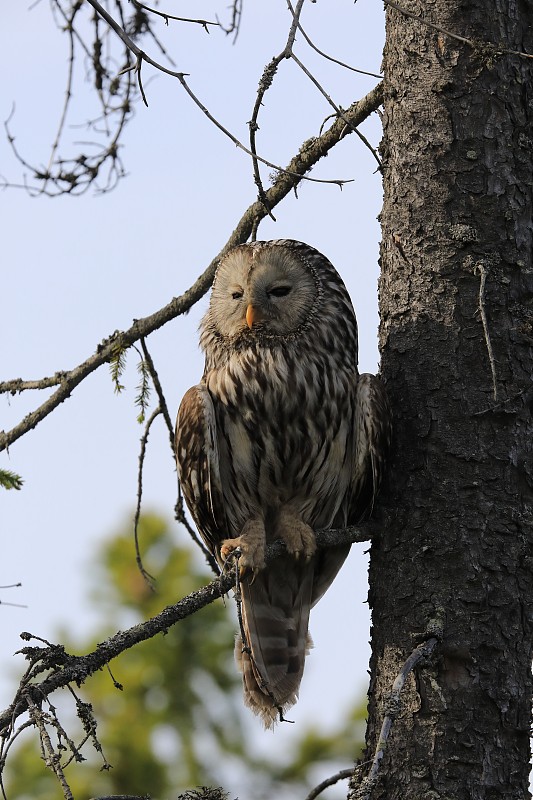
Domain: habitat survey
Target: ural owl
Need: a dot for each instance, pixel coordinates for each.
(282, 437)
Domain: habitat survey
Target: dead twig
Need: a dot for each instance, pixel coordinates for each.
(141, 57)
(481, 270)
(392, 708)
(150, 580)
(341, 775)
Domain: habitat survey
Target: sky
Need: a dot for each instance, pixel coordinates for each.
(75, 269)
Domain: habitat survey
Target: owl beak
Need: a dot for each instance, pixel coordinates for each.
(251, 316)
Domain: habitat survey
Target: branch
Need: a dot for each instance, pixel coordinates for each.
(264, 85)
(310, 153)
(481, 270)
(203, 22)
(141, 57)
(342, 775)
(66, 669)
(325, 55)
(338, 111)
(74, 175)
(144, 439)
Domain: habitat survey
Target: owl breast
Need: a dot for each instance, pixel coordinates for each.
(284, 429)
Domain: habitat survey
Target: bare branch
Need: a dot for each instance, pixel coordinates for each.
(64, 669)
(160, 394)
(325, 55)
(50, 756)
(342, 775)
(235, 23)
(75, 175)
(203, 22)
(17, 385)
(481, 270)
(294, 27)
(150, 580)
(337, 108)
(180, 76)
(310, 153)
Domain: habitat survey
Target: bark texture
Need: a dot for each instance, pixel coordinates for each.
(456, 336)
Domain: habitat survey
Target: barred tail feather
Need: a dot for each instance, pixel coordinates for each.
(275, 615)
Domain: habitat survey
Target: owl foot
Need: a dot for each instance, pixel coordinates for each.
(299, 538)
(251, 547)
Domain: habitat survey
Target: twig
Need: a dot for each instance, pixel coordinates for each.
(138, 558)
(203, 22)
(310, 153)
(122, 797)
(504, 403)
(180, 76)
(481, 270)
(325, 55)
(264, 84)
(392, 707)
(64, 669)
(337, 108)
(179, 508)
(294, 27)
(181, 517)
(235, 20)
(68, 92)
(341, 775)
(76, 175)
(17, 385)
(50, 757)
(160, 394)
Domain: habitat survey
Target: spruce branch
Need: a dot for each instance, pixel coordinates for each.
(117, 365)
(10, 480)
(143, 389)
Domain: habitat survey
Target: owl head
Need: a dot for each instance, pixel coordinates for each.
(262, 290)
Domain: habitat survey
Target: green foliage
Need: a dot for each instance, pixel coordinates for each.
(10, 480)
(171, 714)
(143, 389)
(117, 365)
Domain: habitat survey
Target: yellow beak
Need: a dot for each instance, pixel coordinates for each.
(251, 316)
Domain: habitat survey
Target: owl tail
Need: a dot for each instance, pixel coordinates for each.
(275, 616)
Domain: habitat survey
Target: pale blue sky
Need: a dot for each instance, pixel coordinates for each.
(75, 269)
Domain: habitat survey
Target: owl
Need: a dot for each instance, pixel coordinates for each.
(281, 438)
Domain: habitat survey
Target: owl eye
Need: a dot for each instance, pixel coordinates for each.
(280, 291)
(237, 294)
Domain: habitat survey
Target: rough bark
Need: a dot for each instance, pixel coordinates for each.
(456, 337)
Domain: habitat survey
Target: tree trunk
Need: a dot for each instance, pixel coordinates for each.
(456, 337)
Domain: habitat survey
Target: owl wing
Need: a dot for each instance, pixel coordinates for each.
(372, 436)
(197, 458)
(373, 429)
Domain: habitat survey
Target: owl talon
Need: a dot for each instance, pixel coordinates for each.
(299, 537)
(250, 547)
